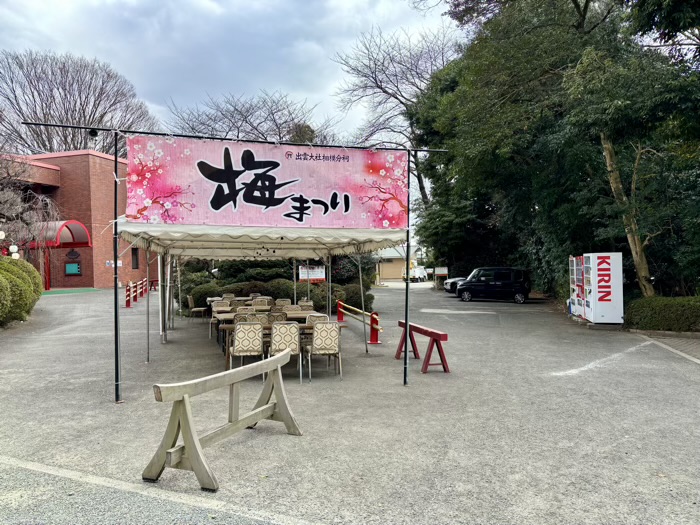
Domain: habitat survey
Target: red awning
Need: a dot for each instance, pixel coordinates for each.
(63, 234)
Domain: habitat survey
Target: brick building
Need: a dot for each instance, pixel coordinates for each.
(80, 254)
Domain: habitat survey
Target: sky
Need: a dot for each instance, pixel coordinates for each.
(185, 50)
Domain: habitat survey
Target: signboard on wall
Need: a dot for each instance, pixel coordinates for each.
(315, 274)
(190, 181)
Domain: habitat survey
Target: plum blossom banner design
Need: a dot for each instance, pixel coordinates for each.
(190, 181)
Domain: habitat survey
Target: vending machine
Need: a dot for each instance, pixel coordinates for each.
(595, 284)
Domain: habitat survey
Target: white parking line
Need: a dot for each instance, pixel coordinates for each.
(663, 345)
(600, 362)
(449, 312)
(153, 491)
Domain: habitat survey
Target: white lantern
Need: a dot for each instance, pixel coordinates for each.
(15, 255)
(2, 235)
(13, 249)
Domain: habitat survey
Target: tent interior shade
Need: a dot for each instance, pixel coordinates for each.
(252, 242)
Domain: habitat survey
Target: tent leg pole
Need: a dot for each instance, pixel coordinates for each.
(330, 286)
(362, 301)
(148, 308)
(308, 281)
(115, 249)
(179, 289)
(408, 270)
(294, 277)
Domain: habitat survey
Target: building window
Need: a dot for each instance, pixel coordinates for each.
(134, 258)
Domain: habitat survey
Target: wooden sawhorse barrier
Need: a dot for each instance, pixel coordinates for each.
(436, 338)
(189, 456)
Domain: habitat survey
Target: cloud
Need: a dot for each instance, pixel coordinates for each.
(185, 50)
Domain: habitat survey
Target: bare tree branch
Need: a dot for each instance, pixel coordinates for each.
(270, 116)
(387, 73)
(64, 89)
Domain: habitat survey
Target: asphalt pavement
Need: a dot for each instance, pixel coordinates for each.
(540, 421)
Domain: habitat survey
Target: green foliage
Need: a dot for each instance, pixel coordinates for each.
(281, 289)
(8, 265)
(242, 270)
(188, 281)
(344, 269)
(5, 299)
(200, 293)
(319, 297)
(21, 294)
(668, 18)
(353, 297)
(264, 274)
(196, 266)
(677, 314)
(524, 181)
(29, 270)
(238, 289)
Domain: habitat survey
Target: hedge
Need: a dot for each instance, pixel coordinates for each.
(5, 298)
(200, 293)
(284, 289)
(29, 271)
(674, 314)
(354, 298)
(9, 266)
(22, 297)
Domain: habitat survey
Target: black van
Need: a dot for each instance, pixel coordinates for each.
(496, 283)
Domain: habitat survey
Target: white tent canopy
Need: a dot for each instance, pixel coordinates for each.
(253, 242)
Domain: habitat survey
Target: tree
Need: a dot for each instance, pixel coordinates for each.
(561, 142)
(267, 116)
(388, 73)
(674, 24)
(64, 89)
(24, 214)
(586, 15)
(639, 101)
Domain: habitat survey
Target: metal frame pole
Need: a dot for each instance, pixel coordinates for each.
(179, 289)
(115, 254)
(362, 302)
(148, 307)
(330, 285)
(294, 269)
(308, 281)
(408, 271)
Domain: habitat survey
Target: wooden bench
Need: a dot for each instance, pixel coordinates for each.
(436, 339)
(189, 456)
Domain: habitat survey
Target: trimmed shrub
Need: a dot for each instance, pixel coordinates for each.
(354, 298)
(238, 289)
(191, 280)
(200, 293)
(5, 299)
(264, 275)
(256, 287)
(21, 295)
(318, 296)
(15, 270)
(281, 289)
(675, 314)
(30, 271)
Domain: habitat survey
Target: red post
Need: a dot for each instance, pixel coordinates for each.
(374, 332)
(135, 292)
(128, 295)
(341, 317)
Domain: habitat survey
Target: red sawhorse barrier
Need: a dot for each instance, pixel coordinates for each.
(436, 339)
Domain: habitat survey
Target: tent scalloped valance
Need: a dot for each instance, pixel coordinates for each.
(247, 242)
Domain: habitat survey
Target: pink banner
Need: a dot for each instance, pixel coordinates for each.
(190, 181)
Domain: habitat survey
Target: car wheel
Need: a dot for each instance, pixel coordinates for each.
(466, 296)
(519, 298)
